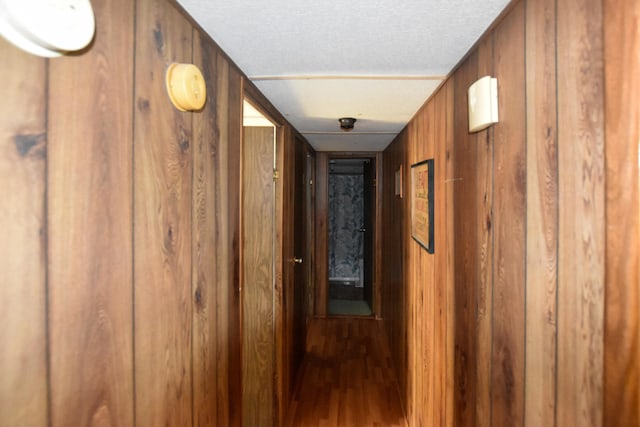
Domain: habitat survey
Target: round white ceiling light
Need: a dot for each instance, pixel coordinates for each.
(47, 28)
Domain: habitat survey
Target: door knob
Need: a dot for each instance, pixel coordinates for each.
(297, 260)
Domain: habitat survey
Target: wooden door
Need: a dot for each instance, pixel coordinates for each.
(258, 213)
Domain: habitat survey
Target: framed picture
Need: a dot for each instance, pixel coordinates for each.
(422, 204)
(399, 182)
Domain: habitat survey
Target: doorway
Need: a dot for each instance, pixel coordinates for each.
(351, 213)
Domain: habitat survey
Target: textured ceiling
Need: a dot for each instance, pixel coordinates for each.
(375, 60)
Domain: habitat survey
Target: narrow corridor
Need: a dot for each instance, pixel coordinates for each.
(346, 378)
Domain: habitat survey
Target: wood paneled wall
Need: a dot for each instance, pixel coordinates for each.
(521, 248)
(120, 256)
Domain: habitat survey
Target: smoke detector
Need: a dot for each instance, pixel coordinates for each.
(346, 123)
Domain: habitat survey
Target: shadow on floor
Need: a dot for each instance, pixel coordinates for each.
(348, 307)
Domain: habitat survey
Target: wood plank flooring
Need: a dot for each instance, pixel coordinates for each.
(346, 378)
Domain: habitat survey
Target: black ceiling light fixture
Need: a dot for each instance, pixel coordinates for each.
(346, 123)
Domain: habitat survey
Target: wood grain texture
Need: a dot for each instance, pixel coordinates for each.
(89, 226)
(450, 279)
(322, 234)
(163, 160)
(231, 132)
(581, 251)
(530, 265)
(484, 254)
(441, 239)
(465, 240)
(258, 226)
(347, 377)
(542, 214)
(210, 250)
(509, 219)
(622, 301)
(23, 335)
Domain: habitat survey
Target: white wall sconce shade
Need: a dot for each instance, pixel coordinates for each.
(47, 28)
(483, 103)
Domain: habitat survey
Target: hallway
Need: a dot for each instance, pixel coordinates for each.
(346, 378)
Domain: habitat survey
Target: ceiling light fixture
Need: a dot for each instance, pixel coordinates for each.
(346, 123)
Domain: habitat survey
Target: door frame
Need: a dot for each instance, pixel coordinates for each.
(322, 228)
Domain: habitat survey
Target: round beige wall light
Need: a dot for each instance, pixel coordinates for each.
(47, 28)
(186, 87)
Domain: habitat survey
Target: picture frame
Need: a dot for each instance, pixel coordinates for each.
(422, 208)
(399, 190)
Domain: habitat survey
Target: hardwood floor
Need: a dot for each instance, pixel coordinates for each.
(347, 378)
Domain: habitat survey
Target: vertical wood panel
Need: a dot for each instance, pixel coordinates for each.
(23, 365)
(509, 224)
(428, 280)
(542, 214)
(622, 321)
(441, 242)
(257, 291)
(162, 222)
(231, 135)
(448, 88)
(465, 238)
(210, 252)
(90, 222)
(322, 233)
(581, 207)
(484, 224)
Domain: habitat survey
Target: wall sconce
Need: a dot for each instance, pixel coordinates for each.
(483, 103)
(186, 87)
(47, 28)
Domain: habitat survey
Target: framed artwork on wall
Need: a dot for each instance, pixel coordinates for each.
(422, 204)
